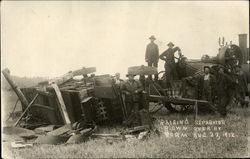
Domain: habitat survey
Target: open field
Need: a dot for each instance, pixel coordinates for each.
(234, 145)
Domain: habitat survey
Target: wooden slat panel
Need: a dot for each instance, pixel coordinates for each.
(53, 104)
(76, 103)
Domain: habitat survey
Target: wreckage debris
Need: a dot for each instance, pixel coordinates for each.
(17, 131)
(18, 137)
(76, 105)
(45, 129)
(49, 134)
(18, 134)
(67, 135)
(60, 131)
(11, 138)
(77, 138)
(49, 139)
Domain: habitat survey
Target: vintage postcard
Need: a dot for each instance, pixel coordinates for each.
(125, 79)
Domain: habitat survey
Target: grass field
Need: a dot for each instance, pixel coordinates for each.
(155, 146)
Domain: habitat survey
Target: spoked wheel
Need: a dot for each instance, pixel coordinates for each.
(175, 108)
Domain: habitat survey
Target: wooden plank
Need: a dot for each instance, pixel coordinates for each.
(66, 77)
(84, 71)
(142, 70)
(61, 104)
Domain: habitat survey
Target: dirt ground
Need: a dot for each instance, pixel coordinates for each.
(227, 139)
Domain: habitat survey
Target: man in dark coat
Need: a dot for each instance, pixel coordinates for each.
(152, 54)
(206, 84)
(132, 89)
(170, 66)
(224, 81)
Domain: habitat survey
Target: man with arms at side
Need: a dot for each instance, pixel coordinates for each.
(152, 55)
(132, 89)
(206, 85)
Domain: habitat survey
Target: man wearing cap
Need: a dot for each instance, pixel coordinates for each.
(152, 54)
(131, 88)
(206, 85)
(170, 66)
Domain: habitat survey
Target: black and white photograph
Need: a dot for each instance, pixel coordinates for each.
(125, 79)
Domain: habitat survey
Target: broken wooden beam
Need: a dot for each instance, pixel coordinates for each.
(6, 73)
(66, 77)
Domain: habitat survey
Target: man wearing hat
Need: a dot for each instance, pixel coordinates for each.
(206, 85)
(131, 88)
(152, 54)
(170, 66)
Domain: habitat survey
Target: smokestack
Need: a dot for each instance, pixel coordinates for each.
(243, 46)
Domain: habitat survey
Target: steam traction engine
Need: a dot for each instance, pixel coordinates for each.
(184, 95)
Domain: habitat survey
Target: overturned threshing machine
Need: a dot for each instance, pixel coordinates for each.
(97, 99)
(67, 100)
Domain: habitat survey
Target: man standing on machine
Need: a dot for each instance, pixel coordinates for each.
(170, 66)
(152, 55)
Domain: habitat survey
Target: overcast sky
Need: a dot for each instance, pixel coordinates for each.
(52, 38)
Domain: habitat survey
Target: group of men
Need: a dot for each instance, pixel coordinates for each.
(218, 85)
(132, 90)
(152, 58)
